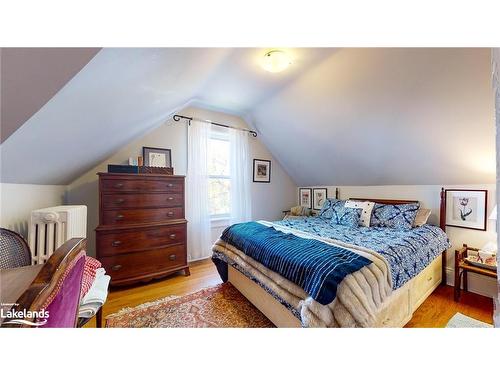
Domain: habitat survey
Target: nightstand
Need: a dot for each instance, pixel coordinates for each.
(462, 268)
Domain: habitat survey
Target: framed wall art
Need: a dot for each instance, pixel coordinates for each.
(261, 170)
(466, 208)
(319, 198)
(305, 197)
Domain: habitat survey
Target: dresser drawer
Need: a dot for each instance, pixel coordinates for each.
(144, 185)
(142, 215)
(127, 241)
(145, 263)
(425, 282)
(110, 201)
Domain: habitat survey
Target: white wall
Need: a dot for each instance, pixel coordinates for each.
(429, 197)
(18, 200)
(268, 200)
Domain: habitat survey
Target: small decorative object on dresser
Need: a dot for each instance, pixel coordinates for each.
(157, 157)
(261, 170)
(319, 197)
(305, 199)
(142, 229)
(466, 208)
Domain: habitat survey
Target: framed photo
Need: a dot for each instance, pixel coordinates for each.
(261, 170)
(466, 208)
(319, 197)
(157, 157)
(305, 199)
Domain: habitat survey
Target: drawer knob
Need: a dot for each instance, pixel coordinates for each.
(116, 267)
(119, 217)
(172, 257)
(170, 185)
(116, 243)
(170, 214)
(430, 278)
(170, 198)
(119, 185)
(172, 236)
(121, 200)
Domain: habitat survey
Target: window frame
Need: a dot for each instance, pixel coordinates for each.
(221, 135)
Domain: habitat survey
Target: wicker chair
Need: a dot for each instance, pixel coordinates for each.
(14, 251)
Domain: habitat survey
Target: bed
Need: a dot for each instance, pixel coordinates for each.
(389, 273)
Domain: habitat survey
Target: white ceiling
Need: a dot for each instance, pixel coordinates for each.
(336, 116)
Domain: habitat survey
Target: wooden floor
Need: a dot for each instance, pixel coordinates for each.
(434, 312)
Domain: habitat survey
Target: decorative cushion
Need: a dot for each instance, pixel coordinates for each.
(300, 211)
(397, 216)
(366, 211)
(326, 211)
(346, 216)
(421, 217)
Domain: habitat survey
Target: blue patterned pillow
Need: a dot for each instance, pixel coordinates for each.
(330, 204)
(346, 216)
(397, 216)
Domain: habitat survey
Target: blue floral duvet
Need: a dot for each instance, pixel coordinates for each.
(407, 251)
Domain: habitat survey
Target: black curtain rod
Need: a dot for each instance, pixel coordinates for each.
(178, 118)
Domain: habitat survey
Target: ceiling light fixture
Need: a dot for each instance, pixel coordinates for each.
(276, 61)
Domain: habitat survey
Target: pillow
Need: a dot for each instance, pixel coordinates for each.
(421, 217)
(346, 216)
(326, 211)
(397, 216)
(366, 211)
(300, 211)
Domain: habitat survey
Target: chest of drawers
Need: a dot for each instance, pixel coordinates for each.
(142, 227)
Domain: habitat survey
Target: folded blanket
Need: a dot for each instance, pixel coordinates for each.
(358, 298)
(96, 296)
(315, 266)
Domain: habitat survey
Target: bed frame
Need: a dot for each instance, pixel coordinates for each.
(396, 311)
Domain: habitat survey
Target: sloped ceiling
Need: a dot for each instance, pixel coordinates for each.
(386, 116)
(335, 117)
(31, 76)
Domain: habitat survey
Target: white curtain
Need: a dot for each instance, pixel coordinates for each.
(197, 203)
(239, 165)
(496, 88)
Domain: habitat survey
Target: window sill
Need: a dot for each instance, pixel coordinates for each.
(217, 222)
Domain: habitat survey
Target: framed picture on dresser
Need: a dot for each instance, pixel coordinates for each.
(157, 157)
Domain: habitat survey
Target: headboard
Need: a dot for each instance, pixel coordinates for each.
(384, 201)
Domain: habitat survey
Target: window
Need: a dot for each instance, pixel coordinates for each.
(219, 184)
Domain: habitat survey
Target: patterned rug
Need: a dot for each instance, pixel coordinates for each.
(462, 321)
(222, 306)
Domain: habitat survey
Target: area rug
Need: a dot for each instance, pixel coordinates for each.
(220, 306)
(462, 321)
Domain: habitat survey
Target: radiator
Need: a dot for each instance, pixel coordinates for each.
(52, 226)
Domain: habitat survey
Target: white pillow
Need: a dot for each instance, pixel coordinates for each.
(366, 211)
(421, 217)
